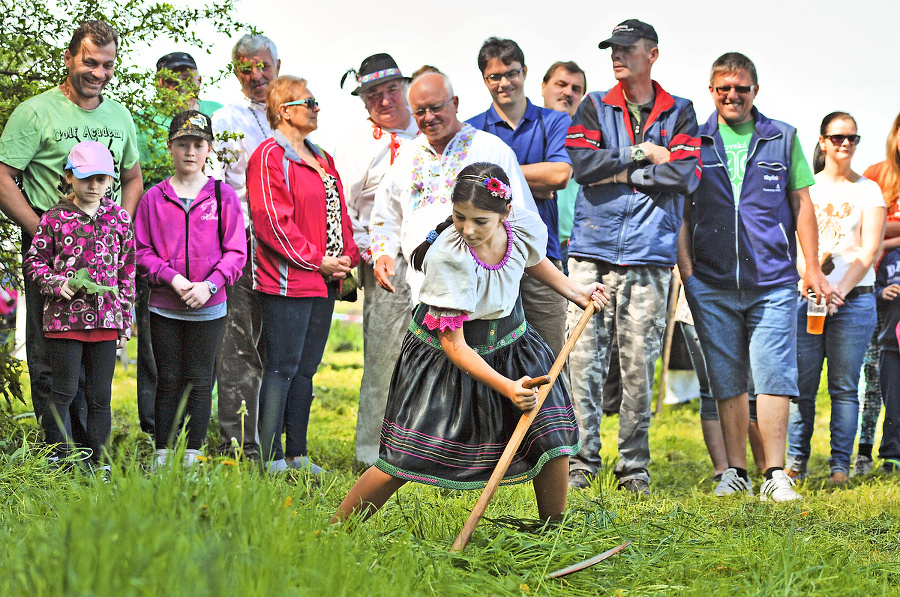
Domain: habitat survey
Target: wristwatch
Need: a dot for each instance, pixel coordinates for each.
(212, 287)
(637, 154)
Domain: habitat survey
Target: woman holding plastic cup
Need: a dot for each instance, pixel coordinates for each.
(851, 213)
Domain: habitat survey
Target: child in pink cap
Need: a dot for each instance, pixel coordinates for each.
(82, 260)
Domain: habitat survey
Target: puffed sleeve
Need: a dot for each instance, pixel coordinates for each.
(450, 288)
(529, 234)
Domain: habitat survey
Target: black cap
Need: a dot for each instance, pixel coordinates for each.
(174, 60)
(628, 33)
(191, 123)
(374, 70)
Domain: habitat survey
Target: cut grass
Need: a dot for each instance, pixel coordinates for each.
(223, 529)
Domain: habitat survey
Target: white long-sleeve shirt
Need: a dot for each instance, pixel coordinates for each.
(363, 157)
(414, 195)
(248, 118)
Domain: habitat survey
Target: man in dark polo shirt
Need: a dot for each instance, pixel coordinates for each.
(537, 136)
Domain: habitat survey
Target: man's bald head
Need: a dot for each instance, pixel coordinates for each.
(431, 79)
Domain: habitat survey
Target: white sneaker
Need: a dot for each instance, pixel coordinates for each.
(162, 456)
(275, 467)
(190, 458)
(780, 488)
(303, 462)
(732, 483)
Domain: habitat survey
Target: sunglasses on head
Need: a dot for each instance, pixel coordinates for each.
(309, 102)
(837, 140)
(726, 89)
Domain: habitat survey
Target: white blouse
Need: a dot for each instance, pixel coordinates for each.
(457, 282)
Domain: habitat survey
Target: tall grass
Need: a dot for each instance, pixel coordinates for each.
(222, 529)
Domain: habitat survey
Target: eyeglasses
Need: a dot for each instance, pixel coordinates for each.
(309, 102)
(509, 75)
(726, 89)
(838, 140)
(377, 96)
(421, 112)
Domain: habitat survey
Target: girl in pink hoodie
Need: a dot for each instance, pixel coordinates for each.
(190, 245)
(82, 260)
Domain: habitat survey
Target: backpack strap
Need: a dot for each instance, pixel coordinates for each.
(219, 210)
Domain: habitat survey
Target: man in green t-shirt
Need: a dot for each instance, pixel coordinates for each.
(34, 146)
(737, 253)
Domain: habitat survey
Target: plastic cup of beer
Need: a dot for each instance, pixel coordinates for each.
(815, 315)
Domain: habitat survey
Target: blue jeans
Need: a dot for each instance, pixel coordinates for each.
(294, 331)
(844, 341)
(890, 387)
(747, 336)
(709, 411)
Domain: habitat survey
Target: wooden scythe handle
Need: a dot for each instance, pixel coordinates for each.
(546, 382)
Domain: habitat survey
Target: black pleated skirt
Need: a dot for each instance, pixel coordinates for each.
(441, 427)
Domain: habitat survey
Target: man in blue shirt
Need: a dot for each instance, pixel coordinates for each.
(538, 137)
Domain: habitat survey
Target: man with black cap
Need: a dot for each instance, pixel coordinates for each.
(362, 158)
(635, 151)
(178, 83)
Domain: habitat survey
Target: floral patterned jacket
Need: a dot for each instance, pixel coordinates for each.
(67, 240)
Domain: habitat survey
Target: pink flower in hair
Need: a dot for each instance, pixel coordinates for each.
(498, 188)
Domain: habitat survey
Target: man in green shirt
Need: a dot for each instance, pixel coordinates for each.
(737, 254)
(34, 146)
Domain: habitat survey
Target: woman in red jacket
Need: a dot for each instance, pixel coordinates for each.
(303, 250)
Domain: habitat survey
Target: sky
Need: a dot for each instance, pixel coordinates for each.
(813, 57)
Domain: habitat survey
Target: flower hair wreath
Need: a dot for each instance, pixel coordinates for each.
(497, 188)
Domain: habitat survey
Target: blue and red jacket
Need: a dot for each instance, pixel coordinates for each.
(635, 223)
(745, 242)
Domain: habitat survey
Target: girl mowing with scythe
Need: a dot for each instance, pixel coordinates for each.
(457, 390)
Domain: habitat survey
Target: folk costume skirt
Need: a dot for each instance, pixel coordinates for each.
(442, 427)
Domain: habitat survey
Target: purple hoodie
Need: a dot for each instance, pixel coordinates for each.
(171, 241)
(67, 240)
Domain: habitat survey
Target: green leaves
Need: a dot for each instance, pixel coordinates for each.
(82, 280)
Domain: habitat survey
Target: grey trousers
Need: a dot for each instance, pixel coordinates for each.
(545, 310)
(636, 315)
(386, 317)
(238, 365)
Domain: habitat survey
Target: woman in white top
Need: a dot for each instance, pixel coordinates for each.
(457, 390)
(851, 213)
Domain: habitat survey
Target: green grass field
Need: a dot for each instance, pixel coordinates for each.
(229, 530)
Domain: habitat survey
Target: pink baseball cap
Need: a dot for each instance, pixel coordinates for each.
(89, 158)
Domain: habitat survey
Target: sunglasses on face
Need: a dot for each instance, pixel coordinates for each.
(726, 89)
(838, 140)
(509, 75)
(309, 102)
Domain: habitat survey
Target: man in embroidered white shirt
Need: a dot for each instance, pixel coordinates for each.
(239, 366)
(414, 196)
(363, 156)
